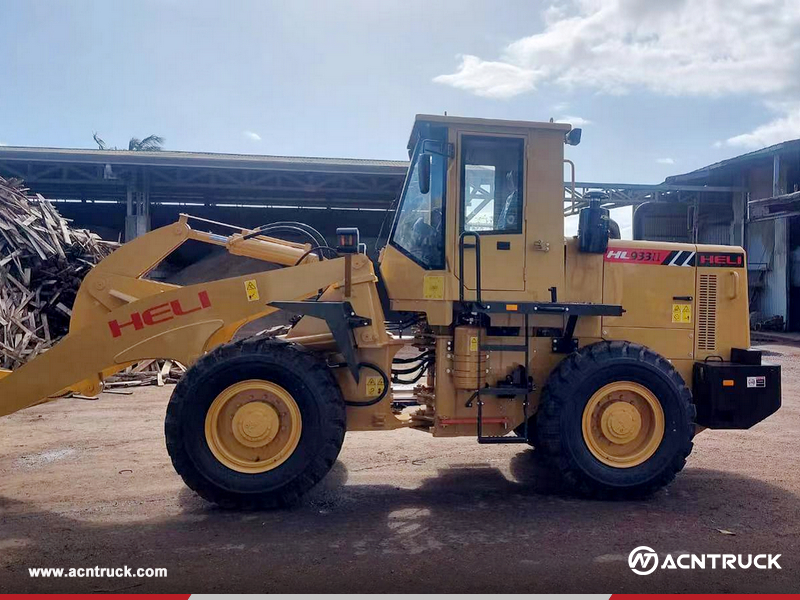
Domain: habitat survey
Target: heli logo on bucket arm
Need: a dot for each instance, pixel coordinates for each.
(159, 313)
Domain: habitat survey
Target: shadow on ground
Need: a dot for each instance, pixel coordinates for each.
(468, 529)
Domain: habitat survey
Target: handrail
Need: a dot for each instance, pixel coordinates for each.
(572, 197)
(477, 247)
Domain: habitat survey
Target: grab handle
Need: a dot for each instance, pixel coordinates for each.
(735, 292)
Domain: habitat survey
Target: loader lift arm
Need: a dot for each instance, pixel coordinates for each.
(120, 317)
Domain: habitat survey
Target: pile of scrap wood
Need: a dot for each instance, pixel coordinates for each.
(42, 263)
(147, 372)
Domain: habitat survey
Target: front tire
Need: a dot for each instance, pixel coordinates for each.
(617, 419)
(255, 424)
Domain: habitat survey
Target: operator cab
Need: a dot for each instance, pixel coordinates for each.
(481, 204)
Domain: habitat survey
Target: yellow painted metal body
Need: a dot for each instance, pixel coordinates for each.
(121, 317)
(537, 250)
(539, 258)
(646, 291)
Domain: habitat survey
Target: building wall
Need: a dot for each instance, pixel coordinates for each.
(768, 261)
(767, 245)
(759, 182)
(773, 246)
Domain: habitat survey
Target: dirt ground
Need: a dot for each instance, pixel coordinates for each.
(89, 483)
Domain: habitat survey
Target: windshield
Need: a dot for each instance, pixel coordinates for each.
(419, 225)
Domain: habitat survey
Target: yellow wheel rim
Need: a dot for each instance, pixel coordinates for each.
(253, 426)
(623, 424)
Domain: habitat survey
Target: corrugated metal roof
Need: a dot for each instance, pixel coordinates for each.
(169, 158)
(787, 146)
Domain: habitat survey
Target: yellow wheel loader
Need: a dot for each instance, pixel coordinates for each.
(606, 355)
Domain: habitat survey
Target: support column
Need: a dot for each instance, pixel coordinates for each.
(739, 206)
(780, 266)
(137, 218)
(780, 259)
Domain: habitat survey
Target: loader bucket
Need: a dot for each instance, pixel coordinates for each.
(120, 317)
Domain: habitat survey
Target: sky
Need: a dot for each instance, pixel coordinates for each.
(659, 88)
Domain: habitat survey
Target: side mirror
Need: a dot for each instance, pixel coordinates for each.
(573, 137)
(424, 173)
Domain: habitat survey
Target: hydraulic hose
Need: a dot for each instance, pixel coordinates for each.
(317, 238)
(413, 369)
(419, 357)
(319, 251)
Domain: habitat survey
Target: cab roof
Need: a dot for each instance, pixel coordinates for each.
(445, 120)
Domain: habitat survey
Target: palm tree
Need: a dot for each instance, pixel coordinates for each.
(152, 143)
(101, 145)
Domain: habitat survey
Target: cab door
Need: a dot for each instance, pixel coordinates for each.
(492, 187)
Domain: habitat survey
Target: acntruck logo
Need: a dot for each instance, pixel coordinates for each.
(643, 560)
(643, 557)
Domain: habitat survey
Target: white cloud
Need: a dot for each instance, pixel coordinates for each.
(682, 47)
(574, 121)
(702, 48)
(3, 144)
(783, 127)
(489, 79)
(665, 161)
(252, 135)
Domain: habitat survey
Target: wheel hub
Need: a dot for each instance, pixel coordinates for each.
(623, 424)
(255, 424)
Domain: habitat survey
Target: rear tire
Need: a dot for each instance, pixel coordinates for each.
(654, 413)
(224, 466)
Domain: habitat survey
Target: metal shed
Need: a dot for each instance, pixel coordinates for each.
(760, 212)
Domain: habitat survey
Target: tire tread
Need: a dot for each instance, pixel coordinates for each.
(315, 374)
(557, 393)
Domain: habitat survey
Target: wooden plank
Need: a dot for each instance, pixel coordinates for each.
(60, 306)
(42, 260)
(142, 366)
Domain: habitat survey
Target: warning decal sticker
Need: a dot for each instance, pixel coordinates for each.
(681, 313)
(374, 386)
(251, 289)
(433, 287)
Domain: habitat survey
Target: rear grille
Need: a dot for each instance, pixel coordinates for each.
(707, 313)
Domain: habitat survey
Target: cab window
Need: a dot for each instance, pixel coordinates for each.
(491, 184)
(419, 226)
